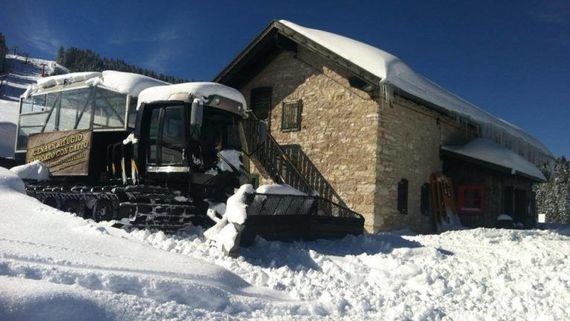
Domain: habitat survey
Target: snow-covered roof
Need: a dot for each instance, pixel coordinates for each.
(197, 89)
(123, 82)
(393, 71)
(486, 151)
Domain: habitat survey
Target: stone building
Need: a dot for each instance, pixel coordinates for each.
(377, 131)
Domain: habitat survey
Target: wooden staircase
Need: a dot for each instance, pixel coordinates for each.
(286, 164)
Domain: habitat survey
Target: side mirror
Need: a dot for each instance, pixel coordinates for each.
(196, 115)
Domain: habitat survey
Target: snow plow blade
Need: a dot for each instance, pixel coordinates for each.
(298, 217)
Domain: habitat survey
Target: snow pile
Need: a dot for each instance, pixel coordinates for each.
(10, 182)
(487, 151)
(65, 79)
(393, 71)
(482, 274)
(225, 231)
(279, 189)
(236, 205)
(504, 217)
(35, 170)
(202, 90)
(129, 83)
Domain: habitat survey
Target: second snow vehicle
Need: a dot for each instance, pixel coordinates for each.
(161, 156)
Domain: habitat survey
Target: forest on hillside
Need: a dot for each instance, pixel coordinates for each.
(77, 60)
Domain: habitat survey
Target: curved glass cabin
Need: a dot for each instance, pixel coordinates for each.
(104, 102)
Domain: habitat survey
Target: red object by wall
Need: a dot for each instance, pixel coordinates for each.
(471, 200)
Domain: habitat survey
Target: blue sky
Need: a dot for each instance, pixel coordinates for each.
(510, 57)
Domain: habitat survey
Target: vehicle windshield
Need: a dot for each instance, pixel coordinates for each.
(219, 132)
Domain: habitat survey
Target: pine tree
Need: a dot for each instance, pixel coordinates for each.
(60, 55)
(553, 196)
(76, 60)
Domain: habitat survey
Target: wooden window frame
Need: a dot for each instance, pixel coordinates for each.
(295, 125)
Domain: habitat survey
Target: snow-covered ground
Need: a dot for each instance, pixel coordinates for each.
(56, 266)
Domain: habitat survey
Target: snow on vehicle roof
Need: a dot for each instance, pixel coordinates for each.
(485, 150)
(58, 80)
(391, 70)
(123, 82)
(129, 83)
(197, 89)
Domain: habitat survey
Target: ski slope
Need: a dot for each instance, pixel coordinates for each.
(22, 72)
(56, 266)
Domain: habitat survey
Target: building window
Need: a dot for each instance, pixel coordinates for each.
(261, 101)
(403, 196)
(425, 200)
(291, 118)
(471, 199)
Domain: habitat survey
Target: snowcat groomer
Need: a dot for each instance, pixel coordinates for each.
(122, 146)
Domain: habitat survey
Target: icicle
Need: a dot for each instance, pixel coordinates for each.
(386, 93)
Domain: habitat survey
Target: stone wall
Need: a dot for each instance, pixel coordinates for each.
(338, 128)
(364, 146)
(410, 139)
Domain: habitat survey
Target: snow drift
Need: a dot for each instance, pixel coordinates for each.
(56, 266)
(67, 261)
(35, 170)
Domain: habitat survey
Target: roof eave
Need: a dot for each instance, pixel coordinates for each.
(491, 166)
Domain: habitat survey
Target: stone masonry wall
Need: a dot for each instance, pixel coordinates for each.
(410, 139)
(338, 128)
(363, 146)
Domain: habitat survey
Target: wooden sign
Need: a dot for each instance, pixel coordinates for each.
(65, 153)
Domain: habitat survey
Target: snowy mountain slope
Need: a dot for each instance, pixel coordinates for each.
(55, 266)
(22, 72)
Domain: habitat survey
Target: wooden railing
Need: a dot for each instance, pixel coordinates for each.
(316, 180)
(270, 158)
(285, 164)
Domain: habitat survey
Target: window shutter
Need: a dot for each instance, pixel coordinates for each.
(291, 117)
